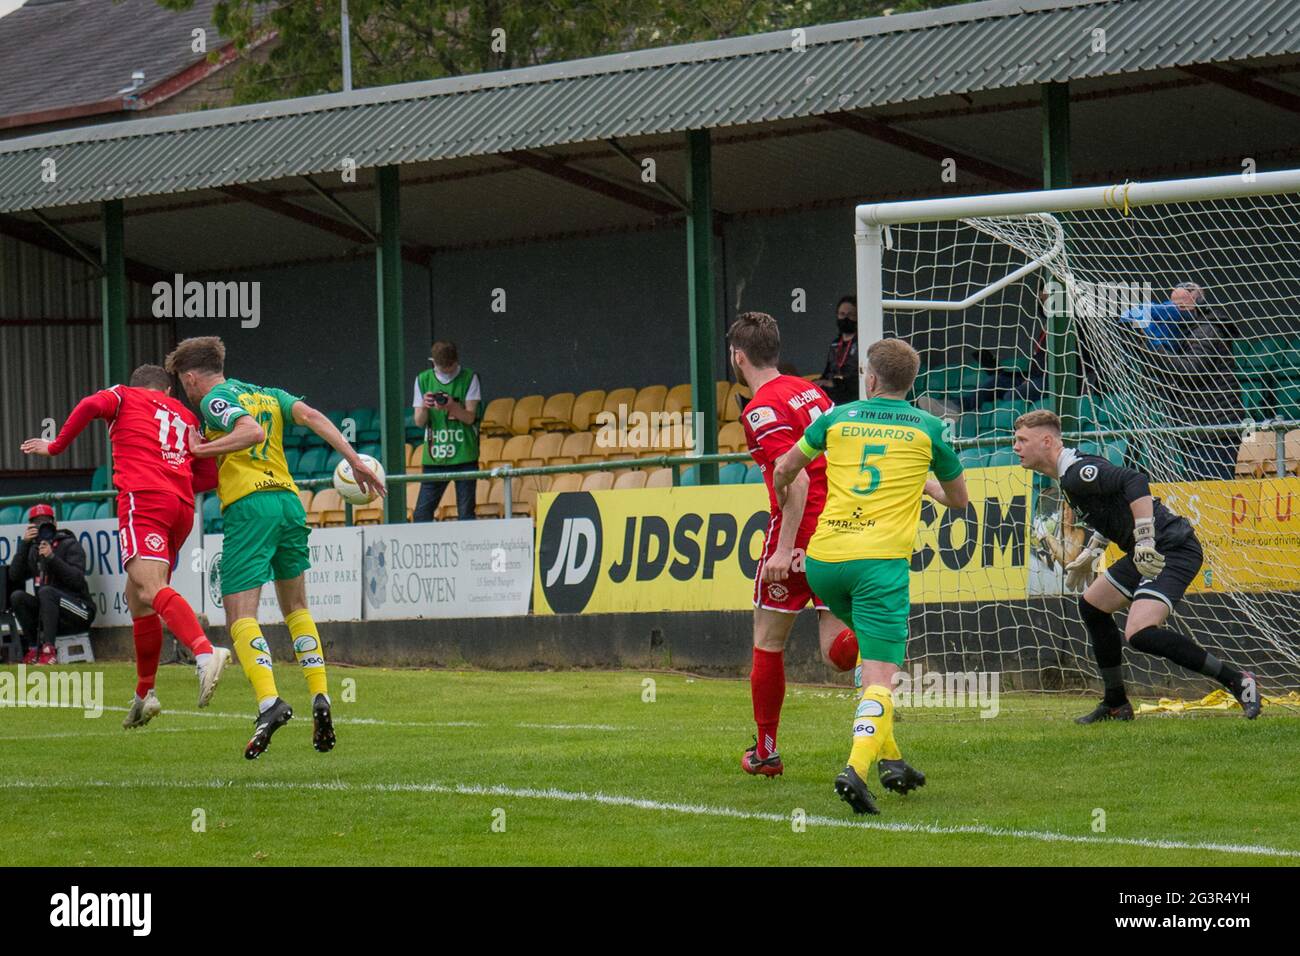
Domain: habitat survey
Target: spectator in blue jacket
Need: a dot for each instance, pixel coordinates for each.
(1165, 323)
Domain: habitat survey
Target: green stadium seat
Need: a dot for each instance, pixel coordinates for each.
(369, 436)
(291, 456)
(11, 514)
(374, 450)
(690, 476)
(211, 514)
(753, 475)
(969, 425)
(732, 473)
(81, 511)
(104, 509)
(364, 418)
(1288, 401)
(100, 480)
(330, 464)
(972, 458)
(312, 461)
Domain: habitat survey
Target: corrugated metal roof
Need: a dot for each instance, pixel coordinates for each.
(748, 80)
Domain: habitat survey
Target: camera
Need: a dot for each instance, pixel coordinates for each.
(45, 531)
(440, 398)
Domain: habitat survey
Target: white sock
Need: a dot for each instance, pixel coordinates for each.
(201, 660)
(264, 704)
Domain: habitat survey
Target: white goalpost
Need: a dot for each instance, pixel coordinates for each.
(1162, 322)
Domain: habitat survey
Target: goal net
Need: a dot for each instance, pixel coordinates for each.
(1162, 321)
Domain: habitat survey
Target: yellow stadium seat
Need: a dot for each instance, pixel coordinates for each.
(412, 496)
(1257, 455)
(577, 443)
(619, 397)
(546, 447)
(659, 478)
(526, 409)
(496, 417)
(569, 481)
(372, 513)
(731, 437)
(557, 414)
(678, 399)
(630, 479)
(489, 450)
(585, 407)
(327, 506)
(519, 446)
(494, 505)
(413, 454)
(1292, 451)
(596, 481)
(650, 399)
(304, 496)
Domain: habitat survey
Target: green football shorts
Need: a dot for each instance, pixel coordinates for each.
(266, 540)
(871, 596)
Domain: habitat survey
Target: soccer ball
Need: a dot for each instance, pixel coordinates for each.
(345, 483)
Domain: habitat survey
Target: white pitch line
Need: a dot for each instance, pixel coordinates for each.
(112, 733)
(355, 721)
(689, 809)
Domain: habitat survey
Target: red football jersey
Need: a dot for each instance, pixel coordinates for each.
(774, 420)
(148, 430)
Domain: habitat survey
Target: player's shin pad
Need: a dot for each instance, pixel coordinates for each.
(307, 648)
(254, 657)
(873, 724)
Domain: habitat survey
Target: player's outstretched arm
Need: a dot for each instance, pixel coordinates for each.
(100, 405)
(245, 433)
(367, 480)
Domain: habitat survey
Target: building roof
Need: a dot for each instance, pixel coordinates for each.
(61, 59)
(863, 64)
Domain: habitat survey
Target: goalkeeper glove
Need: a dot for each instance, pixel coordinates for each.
(1080, 571)
(1146, 558)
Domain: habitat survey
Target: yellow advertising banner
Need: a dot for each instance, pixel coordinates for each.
(1249, 530)
(697, 548)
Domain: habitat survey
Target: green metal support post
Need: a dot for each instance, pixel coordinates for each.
(392, 365)
(1062, 344)
(702, 294)
(112, 291)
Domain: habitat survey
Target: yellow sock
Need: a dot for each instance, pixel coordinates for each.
(889, 748)
(307, 648)
(873, 724)
(254, 657)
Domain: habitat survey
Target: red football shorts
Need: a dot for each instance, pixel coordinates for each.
(791, 595)
(153, 525)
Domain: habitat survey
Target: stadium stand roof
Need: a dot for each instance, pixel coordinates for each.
(64, 60)
(864, 64)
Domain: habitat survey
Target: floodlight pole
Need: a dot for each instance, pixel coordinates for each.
(702, 295)
(112, 286)
(347, 50)
(388, 269)
(1062, 345)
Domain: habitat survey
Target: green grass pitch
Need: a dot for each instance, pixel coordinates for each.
(464, 768)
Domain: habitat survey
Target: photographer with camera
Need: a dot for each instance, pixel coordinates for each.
(840, 377)
(61, 605)
(447, 401)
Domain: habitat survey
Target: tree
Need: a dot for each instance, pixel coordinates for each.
(400, 41)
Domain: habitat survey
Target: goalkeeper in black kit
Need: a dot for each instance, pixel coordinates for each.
(1161, 558)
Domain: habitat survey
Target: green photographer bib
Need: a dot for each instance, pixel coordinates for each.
(447, 441)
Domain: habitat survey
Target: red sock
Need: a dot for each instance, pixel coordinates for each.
(843, 651)
(767, 688)
(181, 620)
(148, 635)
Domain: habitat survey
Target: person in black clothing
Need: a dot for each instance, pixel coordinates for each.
(1198, 382)
(1161, 558)
(61, 605)
(840, 377)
